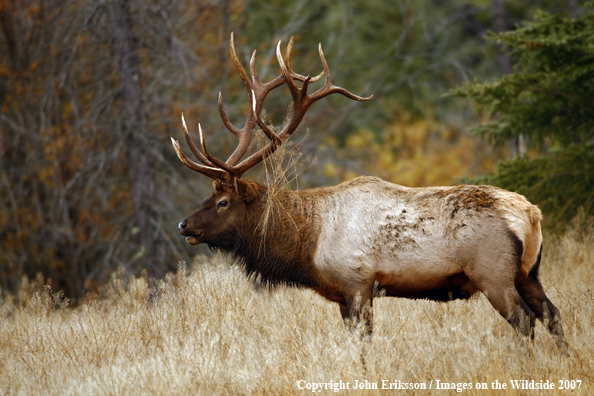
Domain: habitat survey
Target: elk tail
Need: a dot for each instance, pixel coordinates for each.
(533, 242)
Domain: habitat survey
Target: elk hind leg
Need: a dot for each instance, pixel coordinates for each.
(533, 293)
(504, 297)
(514, 309)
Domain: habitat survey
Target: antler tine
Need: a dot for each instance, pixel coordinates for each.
(288, 55)
(324, 63)
(246, 82)
(239, 65)
(212, 158)
(259, 88)
(253, 70)
(193, 147)
(289, 52)
(330, 88)
(287, 72)
(316, 78)
(267, 131)
(213, 173)
(224, 118)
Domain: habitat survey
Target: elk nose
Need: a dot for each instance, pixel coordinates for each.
(182, 226)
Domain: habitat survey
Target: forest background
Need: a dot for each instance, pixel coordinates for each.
(91, 92)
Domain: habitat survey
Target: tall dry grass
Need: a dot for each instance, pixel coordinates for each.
(209, 331)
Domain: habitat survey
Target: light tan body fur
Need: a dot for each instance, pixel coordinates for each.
(414, 239)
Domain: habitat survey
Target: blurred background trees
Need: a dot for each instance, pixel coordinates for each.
(547, 102)
(90, 92)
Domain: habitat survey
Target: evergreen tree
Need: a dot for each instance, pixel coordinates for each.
(548, 100)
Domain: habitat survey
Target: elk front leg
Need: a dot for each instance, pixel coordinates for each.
(357, 310)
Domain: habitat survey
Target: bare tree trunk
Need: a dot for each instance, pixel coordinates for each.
(140, 170)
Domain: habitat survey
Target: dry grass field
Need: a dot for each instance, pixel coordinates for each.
(209, 331)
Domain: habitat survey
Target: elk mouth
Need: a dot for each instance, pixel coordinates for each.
(192, 238)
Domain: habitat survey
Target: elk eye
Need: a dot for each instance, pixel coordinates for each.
(223, 204)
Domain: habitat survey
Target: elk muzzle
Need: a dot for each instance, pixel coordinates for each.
(191, 237)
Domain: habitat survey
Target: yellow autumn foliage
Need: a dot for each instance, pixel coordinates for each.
(417, 152)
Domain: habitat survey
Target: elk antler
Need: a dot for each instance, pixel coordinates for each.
(229, 170)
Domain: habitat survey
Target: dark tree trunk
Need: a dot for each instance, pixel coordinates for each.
(499, 26)
(134, 124)
(517, 145)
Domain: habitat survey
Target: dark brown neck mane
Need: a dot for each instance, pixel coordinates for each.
(276, 238)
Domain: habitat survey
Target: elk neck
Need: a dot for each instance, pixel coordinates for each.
(276, 237)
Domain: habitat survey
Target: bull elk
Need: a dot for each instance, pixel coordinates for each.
(345, 241)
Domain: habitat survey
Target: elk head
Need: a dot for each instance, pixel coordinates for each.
(219, 215)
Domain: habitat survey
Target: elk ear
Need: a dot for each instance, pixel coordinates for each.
(248, 191)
